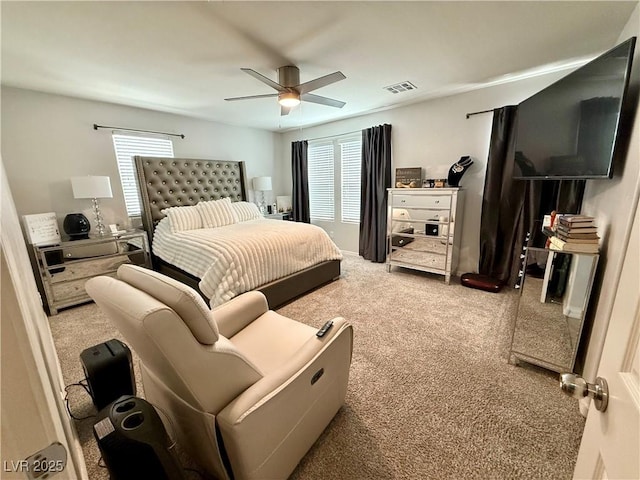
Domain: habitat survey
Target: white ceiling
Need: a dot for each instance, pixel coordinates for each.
(185, 57)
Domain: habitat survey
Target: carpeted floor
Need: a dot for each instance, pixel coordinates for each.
(431, 392)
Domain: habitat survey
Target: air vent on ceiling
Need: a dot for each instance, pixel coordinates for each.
(401, 87)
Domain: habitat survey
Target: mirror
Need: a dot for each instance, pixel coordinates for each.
(554, 296)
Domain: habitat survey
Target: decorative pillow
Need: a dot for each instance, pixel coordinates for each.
(244, 211)
(216, 213)
(183, 218)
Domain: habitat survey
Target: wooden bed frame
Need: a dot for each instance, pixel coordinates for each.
(171, 182)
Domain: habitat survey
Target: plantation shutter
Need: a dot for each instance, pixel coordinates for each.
(321, 178)
(351, 162)
(128, 146)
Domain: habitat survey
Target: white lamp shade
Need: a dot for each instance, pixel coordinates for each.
(91, 187)
(262, 184)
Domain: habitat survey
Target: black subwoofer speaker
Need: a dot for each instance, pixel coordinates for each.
(134, 443)
(108, 368)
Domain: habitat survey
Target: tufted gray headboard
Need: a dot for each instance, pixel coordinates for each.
(173, 182)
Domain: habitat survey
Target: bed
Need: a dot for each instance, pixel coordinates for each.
(171, 182)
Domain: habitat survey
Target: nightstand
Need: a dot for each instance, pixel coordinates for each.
(63, 269)
(278, 216)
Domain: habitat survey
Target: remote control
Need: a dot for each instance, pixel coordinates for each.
(325, 328)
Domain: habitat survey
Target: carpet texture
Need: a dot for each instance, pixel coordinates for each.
(431, 393)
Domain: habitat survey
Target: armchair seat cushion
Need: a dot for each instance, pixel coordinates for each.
(271, 340)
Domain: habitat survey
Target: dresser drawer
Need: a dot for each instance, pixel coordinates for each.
(420, 259)
(68, 290)
(422, 201)
(89, 268)
(88, 251)
(63, 292)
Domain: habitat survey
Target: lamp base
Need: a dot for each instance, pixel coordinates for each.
(101, 231)
(262, 206)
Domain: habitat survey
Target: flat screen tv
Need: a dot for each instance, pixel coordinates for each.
(570, 129)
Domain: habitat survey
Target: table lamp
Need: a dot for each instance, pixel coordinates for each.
(93, 187)
(262, 184)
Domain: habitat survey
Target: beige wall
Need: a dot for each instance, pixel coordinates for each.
(432, 135)
(46, 139)
(611, 202)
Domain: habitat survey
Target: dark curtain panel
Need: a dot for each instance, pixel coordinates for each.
(502, 200)
(300, 195)
(512, 208)
(376, 178)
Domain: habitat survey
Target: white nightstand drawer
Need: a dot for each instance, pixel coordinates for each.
(90, 268)
(68, 290)
(422, 201)
(87, 251)
(63, 292)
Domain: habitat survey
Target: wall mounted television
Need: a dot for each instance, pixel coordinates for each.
(570, 129)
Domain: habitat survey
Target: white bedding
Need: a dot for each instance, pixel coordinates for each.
(237, 258)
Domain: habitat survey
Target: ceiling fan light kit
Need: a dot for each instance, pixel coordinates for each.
(289, 99)
(291, 92)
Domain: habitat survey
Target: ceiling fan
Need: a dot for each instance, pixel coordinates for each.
(291, 92)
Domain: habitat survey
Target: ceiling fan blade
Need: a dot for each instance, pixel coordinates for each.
(266, 95)
(263, 79)
(284, 110)
(320, 82)
(310, 97)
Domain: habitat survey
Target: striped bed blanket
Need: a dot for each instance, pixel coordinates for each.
(237, 258)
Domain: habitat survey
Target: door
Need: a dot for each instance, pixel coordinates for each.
(611, 441)
(32, 414)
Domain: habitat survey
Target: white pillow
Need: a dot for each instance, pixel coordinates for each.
(183, 218)
(216, 213)
(244, 211)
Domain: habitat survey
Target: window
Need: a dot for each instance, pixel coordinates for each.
(351, 164)
(334, 166)
(320, 175)
(128, 146)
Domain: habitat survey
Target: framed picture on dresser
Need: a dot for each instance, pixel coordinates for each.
(283, 203)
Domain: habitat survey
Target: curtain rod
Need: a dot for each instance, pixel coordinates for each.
(334, 136)
(478, 113)
(96, 127)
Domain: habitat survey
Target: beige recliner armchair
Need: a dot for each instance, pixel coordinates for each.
(248, 391)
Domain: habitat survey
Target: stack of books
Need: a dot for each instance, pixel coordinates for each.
(575, 233)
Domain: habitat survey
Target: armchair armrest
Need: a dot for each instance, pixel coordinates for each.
(286, 410)
(239, 312)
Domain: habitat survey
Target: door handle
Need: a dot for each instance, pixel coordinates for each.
(577, 387)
